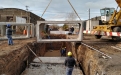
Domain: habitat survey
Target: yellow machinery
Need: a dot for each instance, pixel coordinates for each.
(111, 21)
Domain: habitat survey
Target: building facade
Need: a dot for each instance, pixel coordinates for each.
(18, 16)
(88, 24)
(11, 14)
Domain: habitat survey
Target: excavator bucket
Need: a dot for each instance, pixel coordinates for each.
(118, 2)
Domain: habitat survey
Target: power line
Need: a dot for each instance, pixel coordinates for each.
(23, 4)
(27, 8)
(20, 2)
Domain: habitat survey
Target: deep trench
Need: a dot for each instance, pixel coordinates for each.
(18, 60)
(41, 48)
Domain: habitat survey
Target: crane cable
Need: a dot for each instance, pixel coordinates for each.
(74, 10)
(46, 9)
(69, 3)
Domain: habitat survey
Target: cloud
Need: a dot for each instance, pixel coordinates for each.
(97, 4)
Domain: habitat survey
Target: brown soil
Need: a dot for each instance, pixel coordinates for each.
(52, 53)
(92, 61)
(5, 48)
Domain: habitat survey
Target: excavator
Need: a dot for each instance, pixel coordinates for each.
(109, 23)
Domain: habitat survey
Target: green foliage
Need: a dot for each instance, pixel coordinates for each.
(65, 27)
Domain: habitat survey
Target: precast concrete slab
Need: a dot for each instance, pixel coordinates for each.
(59, 40)
(48, 69)
(50, 59)
(50, 66)
(15, 37)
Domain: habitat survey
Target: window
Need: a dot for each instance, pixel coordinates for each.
(112, 11)
(102, 11)
(9, 18)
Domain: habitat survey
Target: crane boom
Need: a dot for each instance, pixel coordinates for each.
(118, 2)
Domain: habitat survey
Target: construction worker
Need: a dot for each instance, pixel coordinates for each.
(72, 29)
(9, 34)
(64, 51)
(69, 63)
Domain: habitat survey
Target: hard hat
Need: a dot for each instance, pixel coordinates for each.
(69, 53)
(8, 25)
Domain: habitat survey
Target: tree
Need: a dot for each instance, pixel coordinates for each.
(65, 27)
(71, 16)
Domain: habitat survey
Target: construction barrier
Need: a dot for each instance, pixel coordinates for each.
(25, 32)
(102, 33)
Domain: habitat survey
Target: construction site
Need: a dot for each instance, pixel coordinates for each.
(36, 48)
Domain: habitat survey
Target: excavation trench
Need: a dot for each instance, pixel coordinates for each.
(18, 61)
(52, 62)
(22, 61)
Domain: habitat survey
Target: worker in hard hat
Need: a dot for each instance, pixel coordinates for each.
(72, 29)
(64, 51)
(69, 63)
(9, 34)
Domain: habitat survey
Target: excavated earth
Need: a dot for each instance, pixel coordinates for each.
(15, 58)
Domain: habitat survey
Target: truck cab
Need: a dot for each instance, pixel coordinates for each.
(106, 13)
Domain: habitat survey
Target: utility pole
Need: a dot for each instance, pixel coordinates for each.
(27, 19)
(27, 13)
(89, 19)
(27, 8)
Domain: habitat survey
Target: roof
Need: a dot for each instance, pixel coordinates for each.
(108, 8)
(17, 9)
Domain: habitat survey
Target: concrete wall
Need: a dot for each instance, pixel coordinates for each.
(92, 23)
(20, 19)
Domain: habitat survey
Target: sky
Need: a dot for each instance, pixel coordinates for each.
(59, 9)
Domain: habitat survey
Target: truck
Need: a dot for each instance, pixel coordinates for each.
(110, 22)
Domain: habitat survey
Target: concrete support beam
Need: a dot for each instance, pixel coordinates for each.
(3, 30)
(32, 30)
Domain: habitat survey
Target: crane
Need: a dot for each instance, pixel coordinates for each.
(113, 24)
